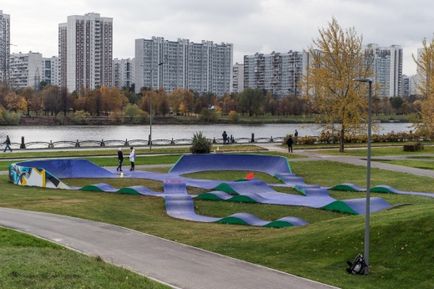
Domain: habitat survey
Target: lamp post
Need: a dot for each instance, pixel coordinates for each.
(368, 175)
(150, 112)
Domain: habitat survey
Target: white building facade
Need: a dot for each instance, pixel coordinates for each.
(25, 70)
(386, 63)
(86, 52)
(50, 71)
(123, 73)
(278, 73)
(202, 67)
(5, 37)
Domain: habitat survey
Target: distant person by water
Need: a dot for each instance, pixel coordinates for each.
(225, 137)
(295, 136)
(132, 159)
(232, 139)
(120, 160)
(290, 142)
(7, 144)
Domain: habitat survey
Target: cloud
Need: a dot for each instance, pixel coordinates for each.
(251, 25)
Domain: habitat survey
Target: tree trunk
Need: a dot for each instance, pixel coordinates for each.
(342, 140)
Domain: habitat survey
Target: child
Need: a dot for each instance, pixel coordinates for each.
(120, 160)
(132, 158)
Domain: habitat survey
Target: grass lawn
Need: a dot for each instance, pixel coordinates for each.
(113, 152)
(420, 164)
(231, 176)
(28, 262)
(401, 237)
(380, 151)
(113, 162)
(152, 159)
(328, 173)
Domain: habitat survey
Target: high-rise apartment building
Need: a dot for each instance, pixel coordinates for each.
(202, 67)
(123, 72)
(25, 70)
(86, 51)
(386, 64)
(50, 71)
(405, 86)
(4, 45)
(278, 73)
(238, 78)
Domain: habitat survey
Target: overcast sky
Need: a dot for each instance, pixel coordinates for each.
(251, 25)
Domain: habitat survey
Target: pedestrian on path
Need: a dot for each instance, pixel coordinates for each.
(290, 142)
(120, 160)
(295, 136)
(7, 144)
(132, 158)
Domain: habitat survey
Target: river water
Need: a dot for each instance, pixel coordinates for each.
(72, 133)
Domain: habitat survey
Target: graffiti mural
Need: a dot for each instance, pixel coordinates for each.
(34, 177)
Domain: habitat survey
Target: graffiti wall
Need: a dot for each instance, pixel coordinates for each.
(34, 177)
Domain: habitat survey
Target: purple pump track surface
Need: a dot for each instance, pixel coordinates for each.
(179, 204)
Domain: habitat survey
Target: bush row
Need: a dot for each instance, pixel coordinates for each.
(326, 138)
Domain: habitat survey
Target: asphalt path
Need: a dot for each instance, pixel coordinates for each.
(171, 263)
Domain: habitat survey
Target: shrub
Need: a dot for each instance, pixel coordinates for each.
(80, 117)
(208, 115)
(9, 118)
(233, 116)
(133, 114)
(200, 144)
(60, 118)
(413, 147)
(115, 117)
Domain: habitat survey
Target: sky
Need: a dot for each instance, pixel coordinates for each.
(251, 25)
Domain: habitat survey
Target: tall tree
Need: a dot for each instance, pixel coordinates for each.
(51, 99)
(337, 60)
(252, 101)
(425, 66)
(112, 99)
(15, 102)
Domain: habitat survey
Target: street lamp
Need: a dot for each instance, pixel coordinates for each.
(368, 174)
(150, 112)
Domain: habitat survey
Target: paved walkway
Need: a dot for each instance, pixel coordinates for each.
(316, 155)
(177, 265)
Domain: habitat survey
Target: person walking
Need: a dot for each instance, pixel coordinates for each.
(120, 160)
(132, 158)
(295, 136)
(7, 144)
(290, 142)
(225, 137)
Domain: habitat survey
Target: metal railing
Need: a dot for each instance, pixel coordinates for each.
(67, 144)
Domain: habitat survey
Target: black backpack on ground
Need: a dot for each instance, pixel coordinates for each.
(358, 266)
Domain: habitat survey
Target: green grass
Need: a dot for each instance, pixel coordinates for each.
(141, 160)
(401, 237)
(380, 151)
(117, 183)
(231, 176)
(420, 164)
(28, 262)
(329, 173)
(113, 152)
(154, 159)
(113, 162)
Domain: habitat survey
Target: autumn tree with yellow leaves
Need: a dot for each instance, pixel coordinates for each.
(337, 59)
(425, 67)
